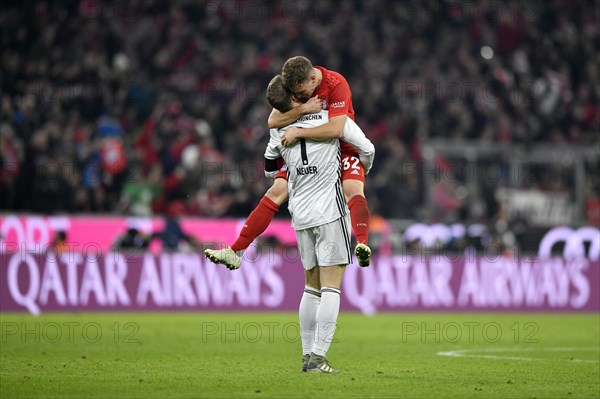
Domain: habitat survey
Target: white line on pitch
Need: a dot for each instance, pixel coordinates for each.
(470, 353)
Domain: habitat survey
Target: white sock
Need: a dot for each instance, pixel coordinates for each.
(308, 317)
(326, 319)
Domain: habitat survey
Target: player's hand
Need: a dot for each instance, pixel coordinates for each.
(312, 106)
(290, 137)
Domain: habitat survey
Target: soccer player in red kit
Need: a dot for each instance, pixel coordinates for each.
(318, 88)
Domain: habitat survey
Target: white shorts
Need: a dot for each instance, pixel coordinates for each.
(325, 245)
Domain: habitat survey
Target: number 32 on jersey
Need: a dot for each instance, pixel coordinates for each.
(351, 163)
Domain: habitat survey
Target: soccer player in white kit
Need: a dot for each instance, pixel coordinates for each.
(321, 219)
(329, 91)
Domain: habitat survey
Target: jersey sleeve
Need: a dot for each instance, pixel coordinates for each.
(273, 159)
(340, 98)
(354, 136)
(272, 151)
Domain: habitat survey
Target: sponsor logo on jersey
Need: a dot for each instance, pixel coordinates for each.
(354, 172)
(338, 104)
(308, 170)
(324, 104)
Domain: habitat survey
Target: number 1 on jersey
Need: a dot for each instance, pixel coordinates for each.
(303, 152)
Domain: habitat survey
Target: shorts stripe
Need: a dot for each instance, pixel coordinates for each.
(346, 239)
(338, 186)
(339, 199)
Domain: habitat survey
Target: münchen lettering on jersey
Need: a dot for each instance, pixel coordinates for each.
(310, 117)
(314, 175)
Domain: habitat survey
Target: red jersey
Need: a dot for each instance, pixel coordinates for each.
(335, 93)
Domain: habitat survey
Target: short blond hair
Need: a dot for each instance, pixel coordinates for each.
(295, 71)
(278, 96)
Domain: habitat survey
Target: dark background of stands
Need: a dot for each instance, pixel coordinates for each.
(152, 107)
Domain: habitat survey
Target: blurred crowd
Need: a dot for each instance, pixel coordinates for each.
(150, 107)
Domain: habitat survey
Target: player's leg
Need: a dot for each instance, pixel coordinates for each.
(311, 297)
(309, 304)
(257, 222)
(326, 318)
(353, 182)
(260, 218)
(333, 254)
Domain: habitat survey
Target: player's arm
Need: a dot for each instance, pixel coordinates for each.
(354, 136)
(278, 120)
(272, 167)
(340, 99)
(330, 130)
(273, 159)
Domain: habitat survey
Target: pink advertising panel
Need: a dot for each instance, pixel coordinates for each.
(90, 276)
(98, 234)
(274, 280)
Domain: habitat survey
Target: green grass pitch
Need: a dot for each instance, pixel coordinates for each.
(257, 355)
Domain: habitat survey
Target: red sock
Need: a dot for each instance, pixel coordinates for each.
(359, 216)
(256, 223)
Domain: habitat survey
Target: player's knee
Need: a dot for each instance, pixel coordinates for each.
(278, 191)
(312, 278)
(352, 189)
(331, 276)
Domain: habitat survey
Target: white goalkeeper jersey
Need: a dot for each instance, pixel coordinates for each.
(314, 175)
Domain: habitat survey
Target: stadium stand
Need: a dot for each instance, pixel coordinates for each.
(132, 106)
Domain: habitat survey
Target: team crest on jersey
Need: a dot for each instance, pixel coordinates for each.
(324, 104)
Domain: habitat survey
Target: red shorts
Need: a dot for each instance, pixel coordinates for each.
(352, 168)
(282, 174)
